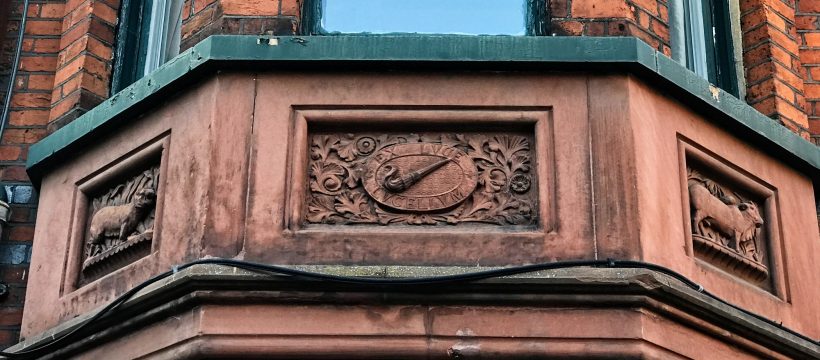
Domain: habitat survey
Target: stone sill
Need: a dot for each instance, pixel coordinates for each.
(607, 287)
(416, 53)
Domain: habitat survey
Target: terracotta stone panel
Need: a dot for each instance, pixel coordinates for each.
(194, 197)
(411, 102)
(660, 122)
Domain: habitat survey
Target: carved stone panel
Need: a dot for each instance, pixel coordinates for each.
(429, 178)
(120, 223)
(727, 224)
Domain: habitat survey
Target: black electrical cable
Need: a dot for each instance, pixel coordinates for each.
(466, 277)
(15, 64)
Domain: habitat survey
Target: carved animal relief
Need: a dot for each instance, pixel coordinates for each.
(421, 179)
(121, 222)
(727, 227)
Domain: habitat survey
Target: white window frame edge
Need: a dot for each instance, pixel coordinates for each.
(163, 34)
(677, 27)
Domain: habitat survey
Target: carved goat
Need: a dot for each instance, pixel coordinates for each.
(121, 220)
(734, 221)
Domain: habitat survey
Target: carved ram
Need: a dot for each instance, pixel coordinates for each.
(121, 220)
(736, 221)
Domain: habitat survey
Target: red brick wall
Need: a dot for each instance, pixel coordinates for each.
(645, 19)
(83, 65)
(202, 18)
(808, 36)
(772, 60)
(30, 106)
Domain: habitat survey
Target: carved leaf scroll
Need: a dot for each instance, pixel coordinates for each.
(504, 195)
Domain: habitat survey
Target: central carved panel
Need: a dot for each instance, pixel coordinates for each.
(422, 179)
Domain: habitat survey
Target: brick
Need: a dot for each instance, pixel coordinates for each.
(20, 214)
(595, 28)
(809, 6)
(571, 28)
(812, 39)
(53, 11)
(250, 7)
(781, 8)
(660, 29)
(291, 7)
(28, 117)
(766, 106)
(197, 22)
(21, 233)
(11, 316)
(8, 337)
(43, 27)
(810, 56)
(186, 9)
(22, 136)
(753, 18)
(105, 12)
(791, 112)
(40, 82)
(38, 63)
(788, 76)
(807, 22)
(558, 8)
(77, 13)
(761, 90)
(14, 173)
(10, 153)
(96, 84)
(199, 5)
(663, 13)
(650, 6)
(14, 275)
(600, 9)
(46, 46)
(812, 91)
(31, 100)
(85, 63)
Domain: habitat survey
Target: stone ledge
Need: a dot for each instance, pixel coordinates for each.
(416, 53)
(576, 287)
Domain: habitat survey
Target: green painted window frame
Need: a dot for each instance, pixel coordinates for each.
(131, 43)
(538, 19)
(709, 43)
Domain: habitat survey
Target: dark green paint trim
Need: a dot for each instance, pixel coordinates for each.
(413, 53)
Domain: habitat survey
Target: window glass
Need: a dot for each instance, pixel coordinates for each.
(469, 17)
(147, 36)
(709, 47)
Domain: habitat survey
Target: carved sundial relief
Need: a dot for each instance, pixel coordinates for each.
(421, 179)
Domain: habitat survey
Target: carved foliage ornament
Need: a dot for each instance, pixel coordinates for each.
(421, 179)
(726, 224)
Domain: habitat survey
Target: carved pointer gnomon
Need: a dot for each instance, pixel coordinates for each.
(397, 183)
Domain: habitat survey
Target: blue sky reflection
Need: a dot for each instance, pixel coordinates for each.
(472, 17)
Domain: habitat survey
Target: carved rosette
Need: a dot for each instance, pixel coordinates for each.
(421, 179)
(120, 225)
(727, 227)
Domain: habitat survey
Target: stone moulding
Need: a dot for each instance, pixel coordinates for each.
(730, 218)
(200, 286)
(486, 177)
(115, 214)
(625, 54)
